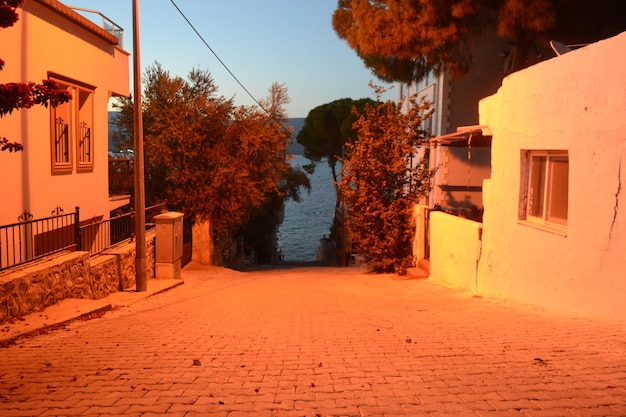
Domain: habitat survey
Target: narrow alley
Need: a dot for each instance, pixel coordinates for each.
(318, 341)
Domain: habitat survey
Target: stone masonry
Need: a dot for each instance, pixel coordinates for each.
(33, 287)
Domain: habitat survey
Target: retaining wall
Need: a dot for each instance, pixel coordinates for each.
(34, 287)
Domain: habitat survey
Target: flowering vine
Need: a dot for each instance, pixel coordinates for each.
(15, 96)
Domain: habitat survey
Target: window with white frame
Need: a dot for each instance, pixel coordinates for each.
(544, 188)
(72, 129)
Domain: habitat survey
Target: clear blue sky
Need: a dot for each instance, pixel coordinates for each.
(287, 41)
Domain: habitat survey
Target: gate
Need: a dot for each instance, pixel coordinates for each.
(187, 239)
(427, 233)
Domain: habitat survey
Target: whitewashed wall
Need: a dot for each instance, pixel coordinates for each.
(454, 250)
(575, 102)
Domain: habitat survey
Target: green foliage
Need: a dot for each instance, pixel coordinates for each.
(207, 157)
(380, 187)
(403, 40)
(326, 130)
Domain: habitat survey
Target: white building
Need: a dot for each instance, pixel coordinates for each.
(554, 227)
(461, 166)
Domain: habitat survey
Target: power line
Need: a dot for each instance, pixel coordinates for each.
(230, 72)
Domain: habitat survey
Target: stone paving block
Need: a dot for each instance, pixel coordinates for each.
(426, 409)
(357, 402)
(562, 403)
(98, 410)
(513, 404)
(351, 411)
(469, 406)
(300, 405)
(328, 341)
(295, 396)
(160, 393)
(368, 411)
(149, 408)
(56, 404)
(134, 398)
(260, 413)
(92, 402)
(559, 412)
(500, 413)
(174, 414)
(28, 412)
(333, 395)
(519, 392)
(57, 412)
(293, 413)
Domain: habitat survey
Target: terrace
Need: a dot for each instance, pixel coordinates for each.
(106, 23)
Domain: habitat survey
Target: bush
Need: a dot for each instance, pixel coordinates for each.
(381, 183)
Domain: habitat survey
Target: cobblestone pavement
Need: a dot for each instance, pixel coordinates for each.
(318, 342)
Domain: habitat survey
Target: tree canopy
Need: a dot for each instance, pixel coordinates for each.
(402, 40)
(208, 157)
(326, 130)
(14, 96)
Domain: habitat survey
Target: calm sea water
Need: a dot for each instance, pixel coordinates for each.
(309, 221)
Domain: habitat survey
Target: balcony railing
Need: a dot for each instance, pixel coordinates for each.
(106, 23)
(30, 240)
(100, 235)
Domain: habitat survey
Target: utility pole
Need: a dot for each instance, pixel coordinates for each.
(140, 204)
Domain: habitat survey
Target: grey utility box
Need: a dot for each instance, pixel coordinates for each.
(169, 245)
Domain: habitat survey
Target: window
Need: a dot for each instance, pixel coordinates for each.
(72, 130)
(430, 80)
(84, 146)
(545, 188)
(62, 137)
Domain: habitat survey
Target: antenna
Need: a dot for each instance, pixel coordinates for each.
(560, 48)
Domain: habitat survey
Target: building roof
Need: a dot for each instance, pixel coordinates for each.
(476, 135)
(79, 20)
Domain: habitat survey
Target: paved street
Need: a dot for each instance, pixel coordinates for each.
(314, 342)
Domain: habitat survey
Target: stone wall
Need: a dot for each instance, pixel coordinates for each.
(33, 287)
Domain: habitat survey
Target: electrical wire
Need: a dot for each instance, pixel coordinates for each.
(230, 72)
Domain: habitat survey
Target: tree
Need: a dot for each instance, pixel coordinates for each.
(260, 224)
(380, 186)
(204, 155)
(326, 130)
(402, 40)
(14, 96)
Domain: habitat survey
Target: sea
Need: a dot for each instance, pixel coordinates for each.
(307, 222)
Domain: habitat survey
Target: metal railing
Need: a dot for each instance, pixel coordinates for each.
(100, 235)
(106, 24)
(30, 240)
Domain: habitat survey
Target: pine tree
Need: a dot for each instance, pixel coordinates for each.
(326, 130)
(402, 40)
